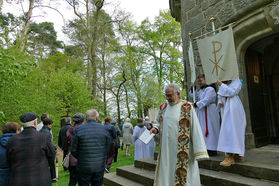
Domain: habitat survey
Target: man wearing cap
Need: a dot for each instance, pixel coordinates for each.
(29, 154)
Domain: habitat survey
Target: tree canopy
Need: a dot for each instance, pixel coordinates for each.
(111, 63)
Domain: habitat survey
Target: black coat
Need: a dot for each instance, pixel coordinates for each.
(29, 155)
(62, 138)
(90, 144)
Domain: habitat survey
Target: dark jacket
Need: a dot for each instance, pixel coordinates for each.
(62, 138)
(110, 128)
(4, 168)
(46, 130)
(69, 137)
(91, 142)
(29, 155)
(116, 141)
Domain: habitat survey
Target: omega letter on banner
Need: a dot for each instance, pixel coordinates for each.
(218, 57)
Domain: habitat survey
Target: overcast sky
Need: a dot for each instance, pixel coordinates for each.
(140, 9)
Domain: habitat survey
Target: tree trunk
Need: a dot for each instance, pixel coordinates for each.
(26, 25)
(104, 77)
(127, 102)
(139, 103)
(171, 72)
(1, 3)
(99, 5)
(118, 110)
(118, 97)
(89, 54)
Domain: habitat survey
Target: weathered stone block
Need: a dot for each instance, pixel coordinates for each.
(187, 5)
(204, 5)
(195, 23)
(213, 2)
(226, 12)
(194, 12)
(212, 11)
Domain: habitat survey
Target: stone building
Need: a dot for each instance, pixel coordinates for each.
(256, 34)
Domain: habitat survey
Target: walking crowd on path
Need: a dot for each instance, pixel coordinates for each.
(28, 155)
(186, 133)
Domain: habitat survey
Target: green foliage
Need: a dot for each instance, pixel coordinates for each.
(43, 38)
(130, 64)
(26, 86)
(68, 93)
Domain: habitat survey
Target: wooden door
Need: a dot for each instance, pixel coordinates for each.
(257, 97)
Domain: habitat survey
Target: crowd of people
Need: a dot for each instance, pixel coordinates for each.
(28, 154)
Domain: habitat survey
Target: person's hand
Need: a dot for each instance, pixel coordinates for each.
(154, 131)
(219, 82)
(221, 105)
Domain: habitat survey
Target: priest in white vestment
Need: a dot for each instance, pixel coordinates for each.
(181, 142)
(208, 115)
(232, 133)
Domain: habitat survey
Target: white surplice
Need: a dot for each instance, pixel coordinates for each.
(141, 149)
(165, 175)
(151, 147)
(232, 133)
(207, 98)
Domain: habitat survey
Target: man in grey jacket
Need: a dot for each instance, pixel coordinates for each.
(90, 145)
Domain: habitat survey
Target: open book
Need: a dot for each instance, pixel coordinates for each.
(146, 136)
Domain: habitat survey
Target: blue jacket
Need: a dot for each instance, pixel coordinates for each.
(4, 170)
(90, 144)
(110, 128)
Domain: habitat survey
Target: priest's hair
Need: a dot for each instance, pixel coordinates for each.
(174, 86)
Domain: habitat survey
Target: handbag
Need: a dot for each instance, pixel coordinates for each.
(66, 161)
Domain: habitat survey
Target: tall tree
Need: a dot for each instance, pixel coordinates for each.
(90, 27)
(26, 24)
(158, 39)
(43, 38)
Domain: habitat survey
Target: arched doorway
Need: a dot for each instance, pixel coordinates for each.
(262, 70)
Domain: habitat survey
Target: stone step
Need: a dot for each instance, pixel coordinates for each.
(141, 176)
(213, 178)
(248, 169)
(112, 179)
(148, 164)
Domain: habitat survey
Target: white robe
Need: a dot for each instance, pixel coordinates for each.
(151, 147)
(207, 98)
(168, 152)
(141, 149)
(232, 133)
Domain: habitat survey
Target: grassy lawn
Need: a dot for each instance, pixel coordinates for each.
(122, 160)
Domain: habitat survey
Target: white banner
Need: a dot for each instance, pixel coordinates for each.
(152, 114)
(192, 62)
(218, 57)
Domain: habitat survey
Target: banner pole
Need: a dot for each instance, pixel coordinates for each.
(193, 83)
(212, 19)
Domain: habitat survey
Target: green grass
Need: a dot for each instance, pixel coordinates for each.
(122, 160)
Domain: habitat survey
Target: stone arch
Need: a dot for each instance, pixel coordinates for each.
(255, 26)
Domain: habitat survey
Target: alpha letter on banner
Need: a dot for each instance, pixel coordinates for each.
(218, 57)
